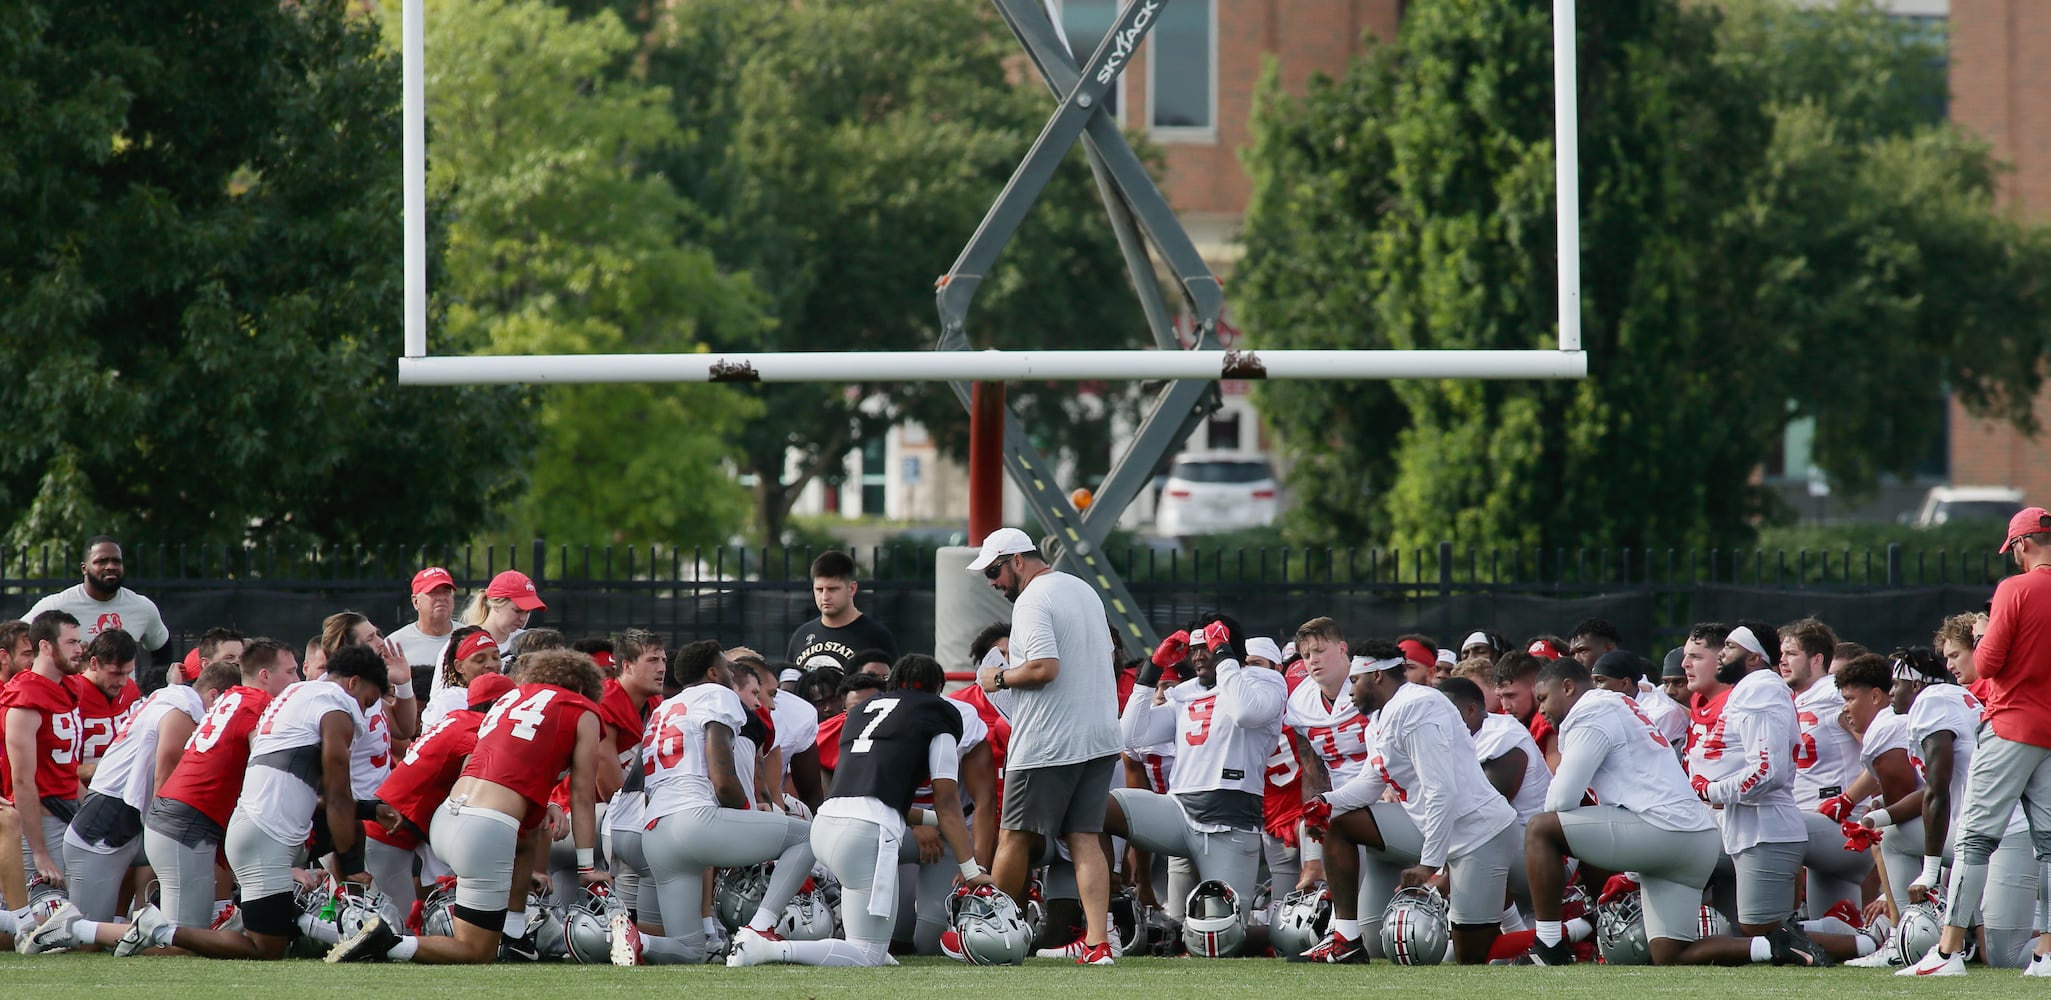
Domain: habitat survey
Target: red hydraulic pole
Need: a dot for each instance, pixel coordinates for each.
(986, 460)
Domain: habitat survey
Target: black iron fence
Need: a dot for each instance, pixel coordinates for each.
(757, 596)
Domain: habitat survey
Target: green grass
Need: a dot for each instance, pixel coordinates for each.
(1131, 979)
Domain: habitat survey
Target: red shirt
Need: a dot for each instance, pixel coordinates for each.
(1705, 716)
(57, 734)
(829, 742)
(526, 743)
(100, 720)
(209, 776)
(1282, 798)
(999, 726)
(421, 782)
(2014, 658)
(615, 709)
(1541, 729)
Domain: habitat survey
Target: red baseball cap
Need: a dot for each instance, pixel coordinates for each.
(430, 578)
(488, 688)
(190, 666)
(516, 587)
(2027, 521)
(1543, 650)
(1417, 652)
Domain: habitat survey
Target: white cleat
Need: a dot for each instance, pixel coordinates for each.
(1881, 959)
(751, 947)
(142, 932)
(626, 940)
(1933, 964)
(54, 934)
(2039, 967)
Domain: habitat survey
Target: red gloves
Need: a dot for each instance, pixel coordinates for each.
(1618, 885)
(1217, 636)
(1172, 650)
(1858, 838)
(1838, 809)
(1317, 814)
(1701, 786)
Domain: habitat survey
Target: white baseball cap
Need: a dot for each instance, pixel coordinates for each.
(1002, 542)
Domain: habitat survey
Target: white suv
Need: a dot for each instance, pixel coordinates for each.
(1210, 491)
(1946, 504)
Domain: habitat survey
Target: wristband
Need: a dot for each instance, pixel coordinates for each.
(1310, 849)
(1933, 872)
(928, 817)
(402, 691)
(587, 858)
(1879, 818)
(969, 869)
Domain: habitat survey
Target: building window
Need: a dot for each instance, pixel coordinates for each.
(1084, 23)
(1182, 57)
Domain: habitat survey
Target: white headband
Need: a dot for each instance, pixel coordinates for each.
(1743, 636)
(1363, 665)
(1448, 657)
(1477, 638)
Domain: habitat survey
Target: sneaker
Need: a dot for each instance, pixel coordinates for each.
(142, 932)
(717, 945)
(1934, 964)
(1072, 949)
(753, 947)
(2039, 967)
(1791, 946)
(1335, 950)
(950, 946)
(1882, 958)
(229, 919)
(53, 934)
(523, 948)
(1096, 954)
(370, 943)
(626, 940)
(1561, 953)
(1847, 911)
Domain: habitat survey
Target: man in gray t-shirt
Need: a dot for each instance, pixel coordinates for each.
(1064, 729)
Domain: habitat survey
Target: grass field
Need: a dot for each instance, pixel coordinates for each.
(1131, 979)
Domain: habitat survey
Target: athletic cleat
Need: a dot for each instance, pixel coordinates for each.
(1076, 948)
(522, 948)
(1335, 950)
(752, 947)
(1552, 954)
(1935, 964)
(1791, 946)
(52, 935)
(1847, 911)
(370, 943)
(141, 933)
(2039, 967)
(1096, 954)
(1881, 958)
(626, 940)
(950, 946)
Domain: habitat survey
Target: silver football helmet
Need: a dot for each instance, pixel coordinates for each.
(1415, 929)
(545, 920)
(806, 918)
(1712, 923)
(1620, 931)
(737, 892)
(1921, 924)
(1303, 920)
(1212, 925)
(44, 900)
(438, 911)
(587, 937)
(990, 927)
(354, 905)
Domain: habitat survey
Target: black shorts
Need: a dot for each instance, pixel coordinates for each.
(1060, 799)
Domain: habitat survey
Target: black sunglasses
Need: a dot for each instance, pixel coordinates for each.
(991, 571)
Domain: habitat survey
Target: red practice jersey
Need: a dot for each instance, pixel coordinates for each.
(829, 742)
(999, 725)
(420, 783)
(615, 709)
(525, 743)
(57, 734)
(209, 776)
(101, 720)
(1282, 796)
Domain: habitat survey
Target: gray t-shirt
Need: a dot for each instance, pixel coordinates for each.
(1075, 718)
(129, 611)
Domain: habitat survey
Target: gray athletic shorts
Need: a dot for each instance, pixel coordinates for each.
(1766, 882)
(1477, 880)
(93, 877)
(1834, 873)
(1156, 823)
(478, 845)
(1672, 867)
(54, 829)
(185, 877)
(1060, 799)
(262, 865)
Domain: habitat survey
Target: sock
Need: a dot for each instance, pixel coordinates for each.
(404, 950)
(1761, 950)
(762, 920)
(1579, 929)
(1549, 932)
(1512, 945)
(1513, 919)
(516, 924)
(1348, 929)
(85, 931)
(1864, 945)
(164, 932)
(9, 923)
(713, 928)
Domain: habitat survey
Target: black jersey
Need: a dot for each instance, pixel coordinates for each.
(884, 743)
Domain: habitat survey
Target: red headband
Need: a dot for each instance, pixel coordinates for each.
(474, 642)
(1417, 652)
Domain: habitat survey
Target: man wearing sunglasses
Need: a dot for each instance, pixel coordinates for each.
(1064, 727)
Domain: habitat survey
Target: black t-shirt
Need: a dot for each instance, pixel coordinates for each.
(815, 644)
(884, 743)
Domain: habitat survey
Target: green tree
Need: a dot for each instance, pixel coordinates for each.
(1772, 227)
(842, 152)
(200, 286)
(561, 242)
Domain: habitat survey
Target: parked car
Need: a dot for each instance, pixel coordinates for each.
(1211, 491)
(1946, 504)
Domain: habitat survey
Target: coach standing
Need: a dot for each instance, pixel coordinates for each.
(1064, 726)
(2013, 760)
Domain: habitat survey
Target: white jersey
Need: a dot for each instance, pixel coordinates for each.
(1668, 716)
(279, 792)
(797, 726)
(675, 764)
(1500, 734)
(128, 771)
(443, 701)
(1942, 708)
(1223, 734)
(1827, 758)
(1887, 732)
(1610, 747)
(1335, 729)
(370, 757)
(1752, 773)
(1418, 748)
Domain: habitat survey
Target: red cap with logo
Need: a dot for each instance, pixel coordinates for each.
(430, 578)
(1543, 650)
(516, 587)
(488, 688)
(2027, 521)
(190, 667)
